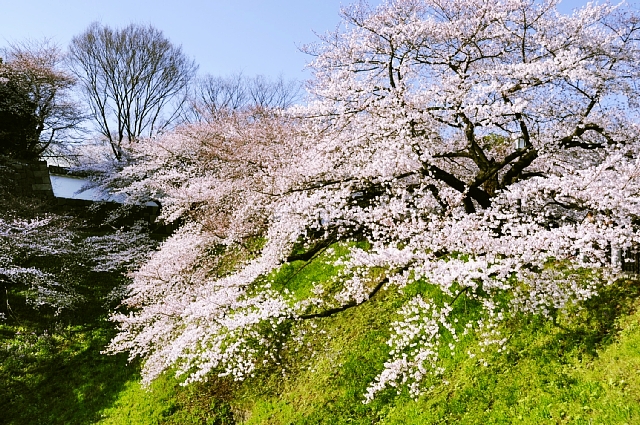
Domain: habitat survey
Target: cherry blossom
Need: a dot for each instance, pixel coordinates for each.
(488, 148)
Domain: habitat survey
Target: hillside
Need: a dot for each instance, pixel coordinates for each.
(581, 369)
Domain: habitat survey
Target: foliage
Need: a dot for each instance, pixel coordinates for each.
(37, 109)
(27, 246)
(407, 146)
(579, 369)
(129, 77)
(17, 118)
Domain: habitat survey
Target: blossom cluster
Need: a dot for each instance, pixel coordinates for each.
(489, 149)
(41, 253)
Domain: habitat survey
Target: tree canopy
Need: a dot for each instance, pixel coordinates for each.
(17, 115)
(486, 149)
(36, 106)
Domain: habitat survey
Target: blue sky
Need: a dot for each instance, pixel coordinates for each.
(223, 36)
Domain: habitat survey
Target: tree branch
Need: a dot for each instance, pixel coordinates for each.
(332, 311)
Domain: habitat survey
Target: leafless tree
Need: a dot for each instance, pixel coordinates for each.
(36, 70)
(278, 93)
(134, 78)
(213, 95)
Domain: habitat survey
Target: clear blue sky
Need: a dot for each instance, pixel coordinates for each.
(223, 36)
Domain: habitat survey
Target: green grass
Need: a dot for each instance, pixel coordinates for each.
(51, 369)
(571, 372)
(584, 368)
(166, 402)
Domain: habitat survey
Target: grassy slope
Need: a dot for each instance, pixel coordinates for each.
(51, 369)
(583, 369)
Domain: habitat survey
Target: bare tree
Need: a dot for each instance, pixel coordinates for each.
(37, 88)
(217, 93)
(213, 95)
(134, 79)
(278, 93)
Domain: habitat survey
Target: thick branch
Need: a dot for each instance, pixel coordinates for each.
(308, 255)
(476, 193)
(332, 311)
(514, 173)
(571, 141)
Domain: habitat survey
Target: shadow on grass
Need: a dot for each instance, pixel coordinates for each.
(62, 389)
(598, 323)
(51, 367)
(582, 331)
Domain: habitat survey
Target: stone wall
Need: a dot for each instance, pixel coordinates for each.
(32, 179)
(29, 178)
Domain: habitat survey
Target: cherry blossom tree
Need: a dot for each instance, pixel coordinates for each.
(487, 148)
(41, 254)
(38, 109)
(218, 172)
